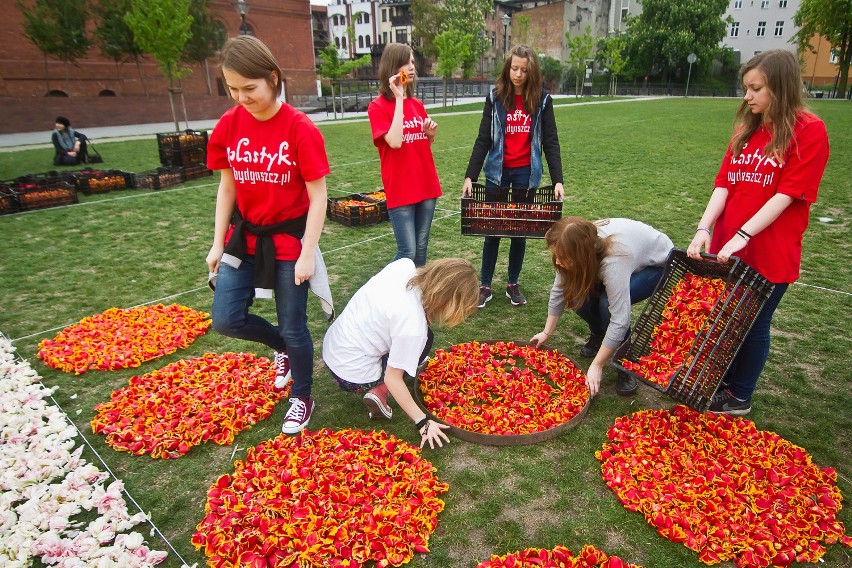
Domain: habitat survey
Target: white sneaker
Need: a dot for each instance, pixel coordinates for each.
(282, 370)
(299, 415)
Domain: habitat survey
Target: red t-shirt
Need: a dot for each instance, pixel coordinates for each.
(271, 160)
(517, 146)
(753, 178)
(408, 173)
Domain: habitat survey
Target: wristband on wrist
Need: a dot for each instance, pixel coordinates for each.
(743, 234)
(707, 229)
(421, 423)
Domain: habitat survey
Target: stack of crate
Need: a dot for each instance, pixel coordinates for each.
(186, 150)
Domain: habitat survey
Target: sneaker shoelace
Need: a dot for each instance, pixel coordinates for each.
(297, 411)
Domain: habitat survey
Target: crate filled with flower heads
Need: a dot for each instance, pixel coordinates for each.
(378, 197)
(91, 181)
(195, 171)
(160, 178)
(8, 200)
(693, 326)
(182, 148)
(503, 212)
(42, 194)
(353, 210)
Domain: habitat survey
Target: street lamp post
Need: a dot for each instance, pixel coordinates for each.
(506, 19)
(242, 8)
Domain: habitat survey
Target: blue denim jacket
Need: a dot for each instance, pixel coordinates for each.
(493, 169)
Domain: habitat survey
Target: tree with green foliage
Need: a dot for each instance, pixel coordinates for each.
(208, 37)
(114, 38)
(465, 17)
(580, 49)
(453, 48)
(58, 29)
(667, 31)
(611, 54)
(334, 68)
(162, 28)
(831, 19)
(551, 72)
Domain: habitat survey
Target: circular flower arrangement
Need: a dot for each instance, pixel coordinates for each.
(502, 388)
(324, 498)
(692, 300)
(166, 412)
(723, 488)
(559, 557)
(123, 338)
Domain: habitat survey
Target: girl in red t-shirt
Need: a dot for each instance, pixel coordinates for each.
(517, 127)
(270, 210)
(403, 134)
(759, 208)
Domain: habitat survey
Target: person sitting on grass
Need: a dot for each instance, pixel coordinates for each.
(385, 331)
(603, 267)
(69, 144)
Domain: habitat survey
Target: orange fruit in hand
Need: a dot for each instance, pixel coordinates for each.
(403, 77)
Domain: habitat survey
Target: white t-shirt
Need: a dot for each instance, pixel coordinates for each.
(384, 317)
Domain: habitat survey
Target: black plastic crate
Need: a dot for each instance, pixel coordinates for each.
(353, 211)
(379, 198)
(160, 178)
(49, 195)
(196, 171)
(101, 181)
(8, 200)
(182, 148)
(720, 337)
(183, 156)
(509, 212)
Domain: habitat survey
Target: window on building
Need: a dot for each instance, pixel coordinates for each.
(833, 58)
(360, 42)
(343, 42)
(764, 4)
(779, 28)
(367, 41)
(366, 18)
(761, 29)
(735, 29)
(385, 37)
(401, 36)
(782, 3)
(384, 15)
(738, 5)
(624, 13)
(337, 42)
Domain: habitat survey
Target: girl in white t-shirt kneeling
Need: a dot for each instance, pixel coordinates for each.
(385, 331)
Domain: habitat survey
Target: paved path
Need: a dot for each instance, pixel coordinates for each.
(41, 139)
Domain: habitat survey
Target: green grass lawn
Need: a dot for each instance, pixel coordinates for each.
(652, 160)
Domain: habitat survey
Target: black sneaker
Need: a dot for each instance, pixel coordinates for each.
(593, 344)
(485, 296)
(625, 383)
(513, 292)
(724, 402)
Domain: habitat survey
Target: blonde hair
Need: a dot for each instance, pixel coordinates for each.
(449, 290)
(783, 76)
(394, 56)
(574, 243)
(531, 91)
(249, 57)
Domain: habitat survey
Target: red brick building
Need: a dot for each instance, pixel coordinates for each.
(97, 92)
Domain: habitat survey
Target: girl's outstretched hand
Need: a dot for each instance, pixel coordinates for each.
(433, 433)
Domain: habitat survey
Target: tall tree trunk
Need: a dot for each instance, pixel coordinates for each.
(67, 80)
(333, 104)
(183, 103)
(172, 103)
(445, 92)
(46, 76)
(207, 78)
(141, 75)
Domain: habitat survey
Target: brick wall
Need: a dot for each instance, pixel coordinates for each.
(25, 76)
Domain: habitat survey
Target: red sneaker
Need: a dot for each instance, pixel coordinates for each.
(376, 401)
(299, 415)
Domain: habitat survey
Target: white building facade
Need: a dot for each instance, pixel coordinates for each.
(759, 25)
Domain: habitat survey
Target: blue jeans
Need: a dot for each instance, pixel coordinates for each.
(411, 224)
(515, 178)
(746, 367)
(234, 296)
(595, 311)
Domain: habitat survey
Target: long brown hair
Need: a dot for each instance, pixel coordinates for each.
(449, 290)
(394, 56)
(531, 92)
(248, 56)
(574, 243)
(783, 77)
